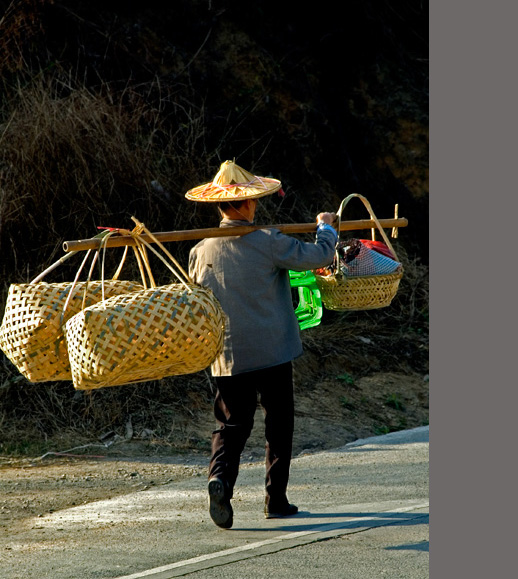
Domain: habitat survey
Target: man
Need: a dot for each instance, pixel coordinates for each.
(249, 276)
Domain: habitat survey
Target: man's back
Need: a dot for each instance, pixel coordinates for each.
(254, 292)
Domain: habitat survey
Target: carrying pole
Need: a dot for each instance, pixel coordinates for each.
(190, 234)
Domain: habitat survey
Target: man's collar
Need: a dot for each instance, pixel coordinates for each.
(225, 222)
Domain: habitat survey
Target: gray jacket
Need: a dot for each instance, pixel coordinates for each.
(249, 276)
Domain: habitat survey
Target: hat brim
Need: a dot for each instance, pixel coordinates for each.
(215, 193)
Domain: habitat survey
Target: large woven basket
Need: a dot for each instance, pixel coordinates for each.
(347, 293)
(161, 331)
(31, 334)
(147, 335)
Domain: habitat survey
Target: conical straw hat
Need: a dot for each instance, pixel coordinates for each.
(233, 183)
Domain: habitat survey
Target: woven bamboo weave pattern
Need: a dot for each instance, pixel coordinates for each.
(158, 332)
(358, 293)
(31, 333)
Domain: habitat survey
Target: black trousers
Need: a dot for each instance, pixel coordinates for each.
(234, 409)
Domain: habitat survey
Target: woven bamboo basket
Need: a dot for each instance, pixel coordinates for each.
(161, 331)
(31, 334)
(343, 293)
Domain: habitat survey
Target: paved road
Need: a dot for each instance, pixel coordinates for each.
(363, 514)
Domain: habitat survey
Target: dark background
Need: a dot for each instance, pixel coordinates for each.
(112, 109)
(331, 99)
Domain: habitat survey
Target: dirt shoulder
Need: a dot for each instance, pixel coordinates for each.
(329, 414)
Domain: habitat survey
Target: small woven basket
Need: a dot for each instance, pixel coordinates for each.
(358, 293)
(348, 293)
(161, 331)
(31, 334)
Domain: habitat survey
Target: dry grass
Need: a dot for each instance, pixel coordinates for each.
(73, 158)
(37, 417)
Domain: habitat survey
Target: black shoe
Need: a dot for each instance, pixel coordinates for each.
(220, 508)
(286, 510)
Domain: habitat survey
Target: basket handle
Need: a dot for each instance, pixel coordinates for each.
(141, 256)
(104, 238)
(62, 259)
(183, 276)
(372, 215)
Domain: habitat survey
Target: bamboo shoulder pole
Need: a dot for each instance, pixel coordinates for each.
(189, 234)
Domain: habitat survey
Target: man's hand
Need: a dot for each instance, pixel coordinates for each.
(329, 218)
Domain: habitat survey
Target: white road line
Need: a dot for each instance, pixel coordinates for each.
(269, 546)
